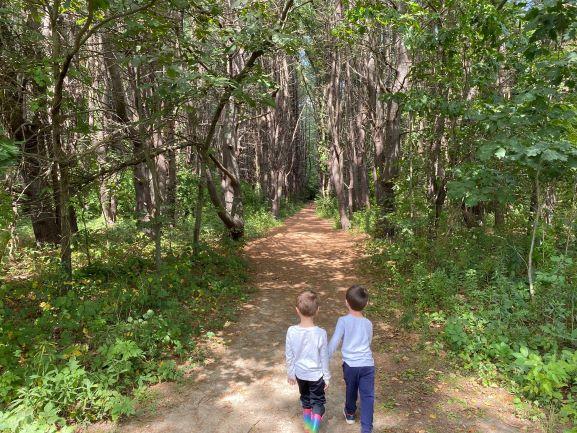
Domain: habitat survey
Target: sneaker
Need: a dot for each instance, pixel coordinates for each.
(350, 419)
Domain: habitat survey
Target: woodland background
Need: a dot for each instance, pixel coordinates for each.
(141, 142)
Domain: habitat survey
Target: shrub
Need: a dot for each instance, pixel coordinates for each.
(473, 285)
(326, 207)
(74, 350)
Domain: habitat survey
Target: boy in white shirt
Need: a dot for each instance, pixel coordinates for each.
(307, 360)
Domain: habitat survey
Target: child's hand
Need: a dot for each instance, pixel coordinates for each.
(291, 381)
(326, 385)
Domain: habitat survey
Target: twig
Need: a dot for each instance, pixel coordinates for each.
(253, 426)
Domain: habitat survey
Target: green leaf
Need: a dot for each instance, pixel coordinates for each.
(500, 153)
(101, 4)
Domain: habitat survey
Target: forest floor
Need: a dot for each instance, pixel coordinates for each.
(241, 386)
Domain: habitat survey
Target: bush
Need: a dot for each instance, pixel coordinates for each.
(471, 286)
(75, 350)
(326, 207)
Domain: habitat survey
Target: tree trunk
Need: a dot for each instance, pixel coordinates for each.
(38, 199)
(535, 224)
(336, 162)
(387, 130)
(437, 188)
(278, 181)
(141, 176)
(362, 196)
(171, 185)
(61, 157)
(198, 212)
(157, 216)
(231, 185)
(499, 211)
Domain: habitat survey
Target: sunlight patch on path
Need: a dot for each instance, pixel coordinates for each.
(244, 389)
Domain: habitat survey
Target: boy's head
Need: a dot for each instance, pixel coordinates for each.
(357, 297)
(308, 303)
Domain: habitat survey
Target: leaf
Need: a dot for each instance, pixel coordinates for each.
(100, 4)
(500, 153)
(8, 151)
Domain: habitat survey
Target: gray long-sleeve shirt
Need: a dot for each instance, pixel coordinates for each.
(356, 334)
(307, 355)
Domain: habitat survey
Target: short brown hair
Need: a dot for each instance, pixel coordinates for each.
(357, 297)
(308, 303)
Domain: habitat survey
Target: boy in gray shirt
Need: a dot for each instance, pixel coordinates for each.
(307, 360)
(356, 333)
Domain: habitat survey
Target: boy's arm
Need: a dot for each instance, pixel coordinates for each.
(336, 338)
(325, 359)
(290, 359)
(371, 340)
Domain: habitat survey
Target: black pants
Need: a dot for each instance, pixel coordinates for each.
(313, 395)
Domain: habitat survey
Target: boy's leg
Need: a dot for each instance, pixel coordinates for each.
(367, 394)
(318, 400)
(304, 390)
(305, 393)
(351, 375)
(317, 396)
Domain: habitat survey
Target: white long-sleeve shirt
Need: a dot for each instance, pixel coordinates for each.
(307, 355)
(356, 334)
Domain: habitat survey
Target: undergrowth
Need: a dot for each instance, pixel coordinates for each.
(77, 350)
(468, 291)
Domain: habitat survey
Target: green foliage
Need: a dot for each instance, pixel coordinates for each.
(326, 207)
(468, 291)
(8, 150)
(75, 350)
(474, 184)
(546, 378)
(5, 220)
(365, 220)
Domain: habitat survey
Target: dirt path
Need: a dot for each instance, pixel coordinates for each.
(244, 389)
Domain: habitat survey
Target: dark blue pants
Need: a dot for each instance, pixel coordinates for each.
(360, 382)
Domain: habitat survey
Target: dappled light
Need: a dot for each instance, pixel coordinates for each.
(173, 173)
(245, 389)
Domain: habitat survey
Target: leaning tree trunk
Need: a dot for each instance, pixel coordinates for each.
(233, 223)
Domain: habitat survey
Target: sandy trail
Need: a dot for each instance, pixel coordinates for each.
(244, 390)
